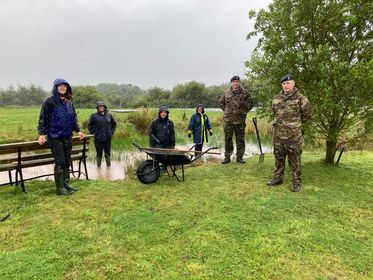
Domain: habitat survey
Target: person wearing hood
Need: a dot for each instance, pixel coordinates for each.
(200, 127)
(162, 132)
(102, 124)
(57, 121)
(236, 102)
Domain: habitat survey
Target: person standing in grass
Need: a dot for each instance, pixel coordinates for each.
(200, 127)
(162, 131)
(236, 102)
(102, 124)
(58, 120)
(291, 110)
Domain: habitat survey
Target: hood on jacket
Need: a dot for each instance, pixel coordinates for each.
(203, 108)
(101, 103)
(56, 83)
(163, 109)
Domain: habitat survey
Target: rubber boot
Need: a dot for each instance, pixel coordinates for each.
(66, 175)
(59, 180)
(108, 161)
(98, 160)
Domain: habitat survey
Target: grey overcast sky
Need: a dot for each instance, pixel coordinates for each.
(142, 42)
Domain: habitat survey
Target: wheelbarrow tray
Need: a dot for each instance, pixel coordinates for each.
(149, 171)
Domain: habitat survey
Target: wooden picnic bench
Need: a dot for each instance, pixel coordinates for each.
(15, 157)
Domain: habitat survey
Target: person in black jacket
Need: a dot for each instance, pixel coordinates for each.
(162, 132)
(200, 127)
(102, 125)
(58, 121)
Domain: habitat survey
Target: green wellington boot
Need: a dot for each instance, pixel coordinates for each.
(59, 180)
(66, 175)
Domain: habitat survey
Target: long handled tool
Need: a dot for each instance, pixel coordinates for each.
(261, 156)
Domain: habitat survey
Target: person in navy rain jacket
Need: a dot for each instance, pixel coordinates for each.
(102, 124)
(57, 121)
(200, 127)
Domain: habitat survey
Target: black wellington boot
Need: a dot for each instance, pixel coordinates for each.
(66, 175)
(108, 160)
(59, 180)
(98, 160)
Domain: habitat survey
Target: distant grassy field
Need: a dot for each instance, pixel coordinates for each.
(222, 223)
(20, 124)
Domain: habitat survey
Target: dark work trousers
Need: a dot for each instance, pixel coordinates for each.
(61, 151)
(198, 147)
(103, 146)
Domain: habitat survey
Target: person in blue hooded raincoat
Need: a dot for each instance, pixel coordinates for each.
(57, 121)
(200, 127)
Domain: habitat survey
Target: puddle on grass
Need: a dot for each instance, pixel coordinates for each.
(123, 162)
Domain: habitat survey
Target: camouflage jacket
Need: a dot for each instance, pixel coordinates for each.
(235, 104)
(291, 111)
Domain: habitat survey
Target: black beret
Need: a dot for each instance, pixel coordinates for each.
(235, 78)
(287, 77)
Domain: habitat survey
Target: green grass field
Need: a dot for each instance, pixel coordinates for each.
(222, 223)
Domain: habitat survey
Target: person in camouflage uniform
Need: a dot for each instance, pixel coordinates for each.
(236, 102)
(291, 109)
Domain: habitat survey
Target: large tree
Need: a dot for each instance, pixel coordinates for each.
(328, 46)
(188, 95)
(86, 96)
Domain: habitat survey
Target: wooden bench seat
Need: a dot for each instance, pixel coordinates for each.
(18, 156)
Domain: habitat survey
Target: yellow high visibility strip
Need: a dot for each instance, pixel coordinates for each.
(203, 127)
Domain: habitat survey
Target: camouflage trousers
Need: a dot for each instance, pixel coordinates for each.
(292, 148)
(239, 131)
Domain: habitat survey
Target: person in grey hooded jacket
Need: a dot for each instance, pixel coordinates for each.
(102, 124)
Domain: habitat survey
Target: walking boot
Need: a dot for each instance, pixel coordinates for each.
(274, 182)
(240, 160)
(59, 180)
(108, 161)
(295, 187)
(226, 160)
(98, 160)
(66, 173)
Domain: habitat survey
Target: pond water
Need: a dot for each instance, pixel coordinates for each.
(124, 162)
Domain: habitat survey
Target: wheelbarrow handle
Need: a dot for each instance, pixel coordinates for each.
(138, 147)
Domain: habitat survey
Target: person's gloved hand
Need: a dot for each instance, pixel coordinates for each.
(189, 134)
(210, 132)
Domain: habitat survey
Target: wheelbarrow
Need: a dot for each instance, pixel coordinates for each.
(149, 170)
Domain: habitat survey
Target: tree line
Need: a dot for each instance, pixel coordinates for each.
(186, 95)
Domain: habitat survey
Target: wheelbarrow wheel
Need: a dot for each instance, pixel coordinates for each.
(147, 173)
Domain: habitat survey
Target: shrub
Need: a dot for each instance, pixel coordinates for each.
(141, 120)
